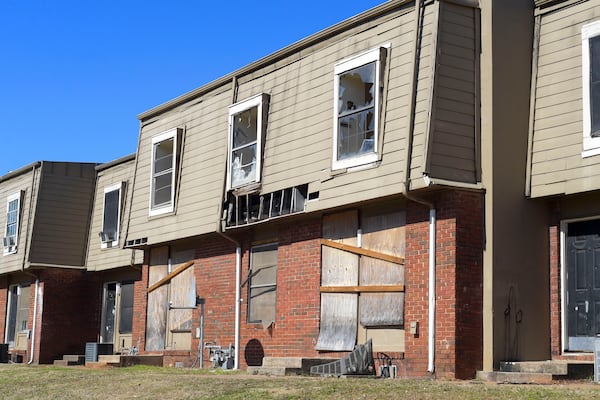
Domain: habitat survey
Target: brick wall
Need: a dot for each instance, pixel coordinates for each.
(3, 305)
(68, 312)
(459, 293)
(296, 327)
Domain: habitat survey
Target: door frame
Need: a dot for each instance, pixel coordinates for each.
(564, 224)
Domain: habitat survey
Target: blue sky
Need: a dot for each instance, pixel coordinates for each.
(74, 75)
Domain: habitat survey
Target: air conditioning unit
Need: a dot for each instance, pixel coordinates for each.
(9, 241)
(104, 237)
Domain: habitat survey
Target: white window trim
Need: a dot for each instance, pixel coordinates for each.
(340, 67)
(117, 186)
(254, 101)
(12, 249)
(591, 145)
(170, 207)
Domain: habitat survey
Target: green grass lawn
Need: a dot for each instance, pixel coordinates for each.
(48, 382)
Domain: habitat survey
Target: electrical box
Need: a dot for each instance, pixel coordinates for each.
(413, 328)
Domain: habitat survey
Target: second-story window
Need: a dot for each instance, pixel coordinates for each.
(11, 230)
(164, 162)
(247, 121)
(590, 37)
(111, 215)
(357, 98)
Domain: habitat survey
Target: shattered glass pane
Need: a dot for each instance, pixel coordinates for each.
(356, 110)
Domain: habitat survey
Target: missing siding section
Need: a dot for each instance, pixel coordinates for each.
(249, 208)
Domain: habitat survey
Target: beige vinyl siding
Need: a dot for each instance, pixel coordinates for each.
(557, 166)
(28, 182)
(424, 83)
(298, 148)
(99, 259)
(202, 170)
(60, 229)
(452, 153)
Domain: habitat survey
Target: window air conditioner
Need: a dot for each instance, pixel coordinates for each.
(104, 237)
(9, 241)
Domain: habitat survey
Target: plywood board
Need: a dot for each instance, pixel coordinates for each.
(384, 232)
(338, 322)
(156, 324)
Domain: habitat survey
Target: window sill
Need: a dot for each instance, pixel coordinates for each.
(590, 152)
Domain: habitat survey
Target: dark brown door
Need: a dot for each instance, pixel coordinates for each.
(583, 284)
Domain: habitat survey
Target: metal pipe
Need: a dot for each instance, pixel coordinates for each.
(432, 305)
(34, 326)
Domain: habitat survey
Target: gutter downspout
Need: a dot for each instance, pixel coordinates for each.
(34, 326)
(25, 262)
(419, 16)
(238, 257)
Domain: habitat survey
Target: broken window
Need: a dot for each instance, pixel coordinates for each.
(247, 121)
(358, 90)
(164, 161)
(262, 284)
(248, 208)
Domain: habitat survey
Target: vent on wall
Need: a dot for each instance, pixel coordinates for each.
(249, 208)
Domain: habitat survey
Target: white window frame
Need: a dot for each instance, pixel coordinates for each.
(591, 145)
(373, 55)
(107, 189)
(12, 249)
(168, 207)
(258, 101)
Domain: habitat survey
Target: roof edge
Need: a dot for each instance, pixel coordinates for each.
(273, 57)
(121, 160)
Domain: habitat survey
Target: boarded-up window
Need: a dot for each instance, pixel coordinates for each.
(263, 284)
(339, 268)
(353, 267)
(158, 301)
(590, 51)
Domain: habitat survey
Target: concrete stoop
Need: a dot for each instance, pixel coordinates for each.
(69, 360)
(537, 371)
(514, 377)
(281, 366)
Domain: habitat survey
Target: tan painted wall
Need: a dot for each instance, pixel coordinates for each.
(515, 257)
(557, 165)
(99, 259)
(298, 146)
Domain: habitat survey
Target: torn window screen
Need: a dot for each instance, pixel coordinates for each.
(356, 111)
(243, 160)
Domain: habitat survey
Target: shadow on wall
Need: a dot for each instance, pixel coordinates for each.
(254, 353)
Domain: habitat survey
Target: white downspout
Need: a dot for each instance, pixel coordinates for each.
(238, 282)
(34, 326)
(431, 326)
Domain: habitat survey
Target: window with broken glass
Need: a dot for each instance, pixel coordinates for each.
(357, 94)
(246, 127)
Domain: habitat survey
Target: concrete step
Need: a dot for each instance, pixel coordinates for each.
(542, 367)
(280, 366)
(109, 358)
(78, 358)
(515, 377)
